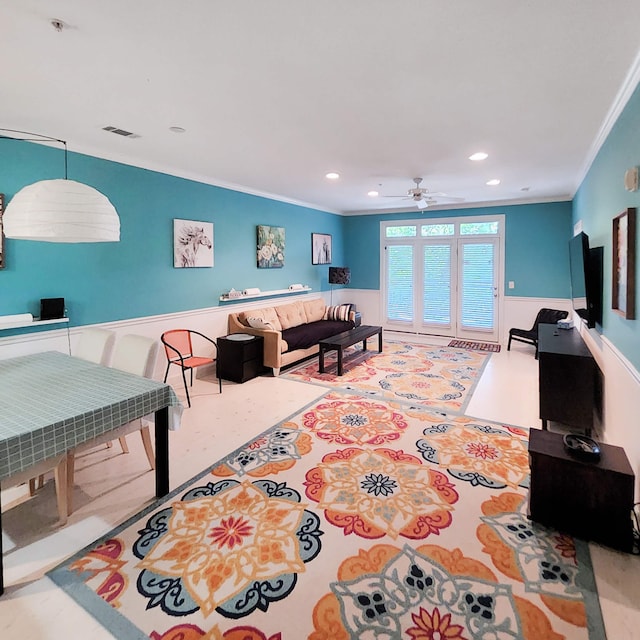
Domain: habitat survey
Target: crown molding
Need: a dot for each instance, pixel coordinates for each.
(619, 103)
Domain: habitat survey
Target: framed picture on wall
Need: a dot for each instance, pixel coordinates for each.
(1, 232)
(320, 248)
(192, 244)
(270, 247)
(623, 291)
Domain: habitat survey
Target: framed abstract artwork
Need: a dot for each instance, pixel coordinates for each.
(270, 247)
(623, 290)
(320, 248)
(192, 244)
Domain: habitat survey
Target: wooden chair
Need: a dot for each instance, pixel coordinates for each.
(133, 354)
(95, 345)
(59, 467)
(179, 351)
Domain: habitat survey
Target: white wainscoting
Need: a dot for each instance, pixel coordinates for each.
(212, 322)
(621, 380)
(516, 311)
(620, 423)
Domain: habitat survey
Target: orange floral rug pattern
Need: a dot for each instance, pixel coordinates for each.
(422, 375)
(354, 518)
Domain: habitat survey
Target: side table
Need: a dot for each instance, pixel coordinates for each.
(240, 357)
(590, 500)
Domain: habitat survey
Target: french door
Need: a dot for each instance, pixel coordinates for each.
(443, 277)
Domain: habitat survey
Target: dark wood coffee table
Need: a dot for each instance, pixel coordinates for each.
(347, 339)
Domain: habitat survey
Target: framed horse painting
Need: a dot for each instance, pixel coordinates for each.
(192, 244)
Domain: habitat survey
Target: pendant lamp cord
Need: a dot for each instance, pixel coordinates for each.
(40, 138)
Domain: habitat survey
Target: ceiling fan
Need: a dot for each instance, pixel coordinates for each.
(423, 197)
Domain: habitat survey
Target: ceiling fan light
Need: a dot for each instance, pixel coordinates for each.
(61, 211)
(422, 204)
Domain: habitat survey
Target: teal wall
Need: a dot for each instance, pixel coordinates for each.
(135, 277)
(536, 246)
(599, 199)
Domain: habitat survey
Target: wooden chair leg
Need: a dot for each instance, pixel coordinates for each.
(71, 467)
(33, 487)
(148, 448)
(61, 477)
(123, 444)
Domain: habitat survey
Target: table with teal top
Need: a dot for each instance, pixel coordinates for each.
(51, 402)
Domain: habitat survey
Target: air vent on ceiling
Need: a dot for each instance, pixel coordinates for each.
(121, 132)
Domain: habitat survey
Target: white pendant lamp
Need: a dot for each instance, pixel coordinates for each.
(61, 211)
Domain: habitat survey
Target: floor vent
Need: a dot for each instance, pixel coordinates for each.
(121, 132)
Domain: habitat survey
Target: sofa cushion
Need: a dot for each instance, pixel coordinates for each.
(306, 335)
(291, 315)
(259, 323)
(314, 309)
(268, 314)
(339, 312)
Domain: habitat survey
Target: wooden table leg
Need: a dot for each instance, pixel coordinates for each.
(162, 452)
(364, 344)
(380, 341)
(339, 361)
(321, 359)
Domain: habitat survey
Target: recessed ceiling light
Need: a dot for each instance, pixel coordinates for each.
(480, 155)
(332, 175)
(373, 194)
(493, 183)
(177, 129)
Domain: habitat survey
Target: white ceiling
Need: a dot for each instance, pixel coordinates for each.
(274, 94)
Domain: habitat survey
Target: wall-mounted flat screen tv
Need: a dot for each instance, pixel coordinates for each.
(586, 279)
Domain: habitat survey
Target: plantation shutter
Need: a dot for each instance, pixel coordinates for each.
(477, 285)
(400, 283)
(436, 299)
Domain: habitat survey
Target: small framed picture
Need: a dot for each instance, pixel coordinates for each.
(270, 247)
(192, 244)
(320, 248)
(624, 264)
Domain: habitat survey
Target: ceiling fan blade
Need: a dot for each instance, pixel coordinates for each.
(439, 194)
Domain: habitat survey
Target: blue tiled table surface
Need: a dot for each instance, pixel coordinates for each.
(50, 402)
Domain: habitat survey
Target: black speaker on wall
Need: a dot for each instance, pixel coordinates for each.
(51, 308)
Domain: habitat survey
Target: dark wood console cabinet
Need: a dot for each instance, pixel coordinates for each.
(570, 381)
(590, 500)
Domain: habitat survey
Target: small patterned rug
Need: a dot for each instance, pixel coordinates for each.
(475, 346)
(423, 375)
(355, 518)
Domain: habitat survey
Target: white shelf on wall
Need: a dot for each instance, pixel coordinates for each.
(34, 323)
(263, 294)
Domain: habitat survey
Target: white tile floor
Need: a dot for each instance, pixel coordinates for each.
(111, 486)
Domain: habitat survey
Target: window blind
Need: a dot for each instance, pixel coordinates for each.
(437, 284)
(400, 283)
(477, 286)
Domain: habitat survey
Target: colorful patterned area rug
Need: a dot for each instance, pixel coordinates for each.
(355, 518)
(475, 346)
(428, 376)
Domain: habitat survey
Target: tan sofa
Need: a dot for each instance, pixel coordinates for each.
(293, 330)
